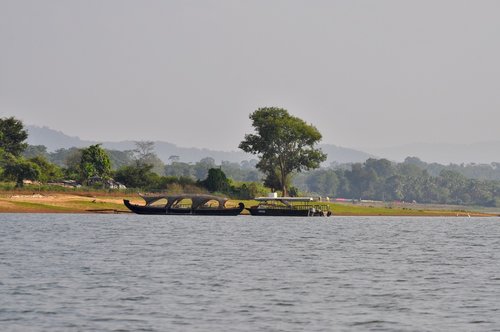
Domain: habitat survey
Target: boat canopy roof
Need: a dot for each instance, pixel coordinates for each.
(286, 199)
(197, 199)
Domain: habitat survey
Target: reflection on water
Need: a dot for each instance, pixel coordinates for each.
(188, 273)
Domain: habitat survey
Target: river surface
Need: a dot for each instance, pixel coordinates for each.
(75, 272)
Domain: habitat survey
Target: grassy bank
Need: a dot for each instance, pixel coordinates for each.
(56, 202)
(25, 201)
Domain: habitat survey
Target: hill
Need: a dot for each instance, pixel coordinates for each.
(54, 139)
(443, 153)
(343, 155)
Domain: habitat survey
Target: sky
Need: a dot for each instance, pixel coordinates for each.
(365, 73)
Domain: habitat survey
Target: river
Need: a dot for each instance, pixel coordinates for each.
(61, 272)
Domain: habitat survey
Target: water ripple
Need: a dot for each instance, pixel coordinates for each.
(176, 273)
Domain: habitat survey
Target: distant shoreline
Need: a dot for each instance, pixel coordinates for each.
(53, 202)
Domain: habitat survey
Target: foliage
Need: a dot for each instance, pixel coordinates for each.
(216, 181)
(70, 158)
(144, 155)
(12, 136)
(20, 169)
(380, 179)
(141, 176)
(137, 176)
(248, 190)
(12, 144)
(95, 162)
(283, 143)
(119, 158)
(471, 171)
(202, 167)
(33, 151)
(48, 171)
(144, 151)
(245, 171)
(72, 162)
(178, 168)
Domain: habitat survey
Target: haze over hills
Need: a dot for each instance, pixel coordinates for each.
(483, 152)
(54, 139)
(443, 153)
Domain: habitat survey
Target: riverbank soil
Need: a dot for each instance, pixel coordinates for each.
(63, 203)
(54, 202)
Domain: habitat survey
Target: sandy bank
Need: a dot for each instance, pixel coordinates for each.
(102, 203)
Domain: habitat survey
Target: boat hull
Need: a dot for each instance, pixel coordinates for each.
(145, 209)
(255, 211)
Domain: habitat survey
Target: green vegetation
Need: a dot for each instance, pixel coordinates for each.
(20, 169)
(12, 143)
(41, 207)
(382, 180)
(12, 136)
(141, 170)
(94, 162)
(475, 171)
(284, 144)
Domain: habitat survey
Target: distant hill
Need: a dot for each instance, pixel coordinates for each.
(344, 155)
(481, 152)
(54, 139)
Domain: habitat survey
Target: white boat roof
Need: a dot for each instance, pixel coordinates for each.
(288, 199)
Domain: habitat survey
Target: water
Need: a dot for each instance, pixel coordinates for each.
(186, 273)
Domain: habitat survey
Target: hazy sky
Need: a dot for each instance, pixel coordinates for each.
(366, 73)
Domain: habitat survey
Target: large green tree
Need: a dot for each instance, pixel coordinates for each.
(12, 144)
(20, 169)
(137, 176)
(12, 136)
(216, 181)
(283, 143)
(95, 162)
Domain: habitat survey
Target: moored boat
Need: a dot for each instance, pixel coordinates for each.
(207, 205)
(290, 207)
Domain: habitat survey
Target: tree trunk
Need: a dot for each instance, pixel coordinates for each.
(283, 185)
(283, 178)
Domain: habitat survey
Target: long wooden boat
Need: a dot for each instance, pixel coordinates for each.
(207, 205)
(289, 207)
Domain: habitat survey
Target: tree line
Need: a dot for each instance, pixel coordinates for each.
(287, 161)
(139, 168)
(383, 180)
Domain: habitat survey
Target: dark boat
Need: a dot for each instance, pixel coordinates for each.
(207, 205)
(289, 207)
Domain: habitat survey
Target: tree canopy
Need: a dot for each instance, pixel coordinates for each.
(283, 143)
(12, 144)
(383, 180)
(12, 136)
(20, 169)
(144, 154)
(95, 162)
(216, 181)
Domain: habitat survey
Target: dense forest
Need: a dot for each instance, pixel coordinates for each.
(412, 180)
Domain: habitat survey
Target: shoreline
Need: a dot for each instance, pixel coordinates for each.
(102, 203)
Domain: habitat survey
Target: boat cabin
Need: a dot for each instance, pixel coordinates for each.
(290, 206)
